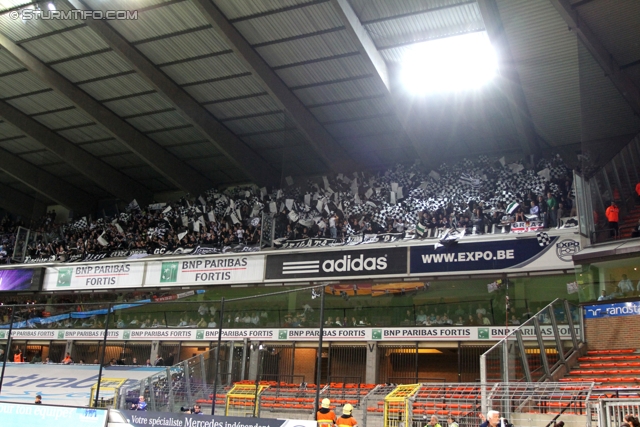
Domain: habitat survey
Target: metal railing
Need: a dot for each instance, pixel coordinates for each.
(510, 360)
(612, 412)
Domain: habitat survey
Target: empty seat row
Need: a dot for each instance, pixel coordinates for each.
(620, 357)
(627, 350)
(602, 380)
(611, 365)
(277, 406)
(607, 372)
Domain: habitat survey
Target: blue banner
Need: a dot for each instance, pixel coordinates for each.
(612, 310)
(471, 256)
(21, 415)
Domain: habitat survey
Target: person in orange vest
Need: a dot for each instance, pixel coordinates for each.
(612, 213)
(346, 420)
(17, 357)
(638, 190)
(325, 416)
(67, 359)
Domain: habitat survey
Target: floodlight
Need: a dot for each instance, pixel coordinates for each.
(51, 6)
(450, 64)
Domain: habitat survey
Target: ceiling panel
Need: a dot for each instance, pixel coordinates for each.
(117, 87)
(158, 121)
(243, 107)
(309, 19)
(65, 45)
(20, 145)
(92, 67)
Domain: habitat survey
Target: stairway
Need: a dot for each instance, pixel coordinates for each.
(610, 369)
(628, 221)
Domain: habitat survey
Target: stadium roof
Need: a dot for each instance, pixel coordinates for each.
(199, 93)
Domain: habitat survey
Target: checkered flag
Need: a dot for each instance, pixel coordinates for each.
(349, 230)
(81, 223)
(380, 219)
(543, 239)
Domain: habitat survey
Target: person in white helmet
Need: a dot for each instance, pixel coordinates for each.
(346, 420)
(325, 415)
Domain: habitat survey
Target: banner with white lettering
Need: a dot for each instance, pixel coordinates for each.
(324, 264)
(209, 271)
(94, 276)
(146, 419)
(541, 253)
(409, 333)
(21, 415)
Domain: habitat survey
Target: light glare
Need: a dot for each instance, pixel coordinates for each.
(51, 6)
(450, 64)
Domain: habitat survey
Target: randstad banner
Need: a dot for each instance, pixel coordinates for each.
(544, 253)
(206, 271)
(612, 310)
(336, 264)
(94, 276)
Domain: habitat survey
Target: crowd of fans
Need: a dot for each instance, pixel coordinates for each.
(468, 194)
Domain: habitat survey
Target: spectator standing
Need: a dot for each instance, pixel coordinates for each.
(332, 226)
(625, 286)
(159, 361)
(552, 206)
(612, 214)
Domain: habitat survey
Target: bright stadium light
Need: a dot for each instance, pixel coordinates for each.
(451, 64)
(51, 6)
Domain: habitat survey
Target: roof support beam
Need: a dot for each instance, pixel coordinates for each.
(44, 183)
(18, 203)
(104, 175)
(236, 151)
(165, 163)
(320, 140)
(510, 81)
(377, 67)
(611, 68)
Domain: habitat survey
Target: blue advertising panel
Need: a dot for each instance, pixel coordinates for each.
(612, 310)
(474, 256)
(21, 415)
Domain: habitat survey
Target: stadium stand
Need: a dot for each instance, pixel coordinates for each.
(473, 196)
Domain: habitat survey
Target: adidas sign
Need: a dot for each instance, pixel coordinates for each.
(346, 263)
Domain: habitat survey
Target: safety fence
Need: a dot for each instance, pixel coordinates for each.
(515, 360)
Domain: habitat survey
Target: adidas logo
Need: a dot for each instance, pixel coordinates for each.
(344, 264)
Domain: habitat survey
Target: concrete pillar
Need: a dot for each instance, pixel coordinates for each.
(254, 357)
(371, 372)
(229, 368)
(155, 348)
